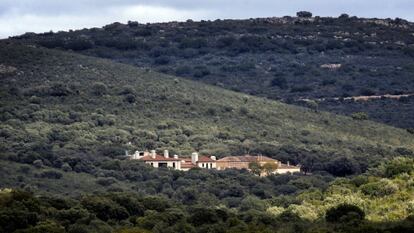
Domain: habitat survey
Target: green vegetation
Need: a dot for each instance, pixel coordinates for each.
(60, 108)
(284, 59)
(383, 194)
(67, 119)
(340, 207)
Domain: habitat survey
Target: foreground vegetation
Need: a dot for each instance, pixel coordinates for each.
(378, 201)
(279, 58)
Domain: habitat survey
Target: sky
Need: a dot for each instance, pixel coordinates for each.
(20, 16)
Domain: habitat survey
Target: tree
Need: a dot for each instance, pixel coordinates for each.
(201, 215)
(359, 116)
(280, 82)
(51, 174)
(252, 203)
(304, 14)
(255, 168)
(269, 168)
(130, 98)
(343, 166)
(345, 213)
(99, 89)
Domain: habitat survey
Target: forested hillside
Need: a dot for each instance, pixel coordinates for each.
(66, 120)
(287, 58)
(57, 104)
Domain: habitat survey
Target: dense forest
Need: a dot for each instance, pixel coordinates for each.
(57, 105)
(380, 200)
(286, 59)
(72, 103)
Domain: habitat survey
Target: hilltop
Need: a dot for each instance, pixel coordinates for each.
(58, 105)
(285, 59)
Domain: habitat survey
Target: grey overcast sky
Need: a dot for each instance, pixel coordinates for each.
(20, 16)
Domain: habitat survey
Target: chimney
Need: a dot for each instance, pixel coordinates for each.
(194, 157)
(126, 153)
(166, 155)
(213, 157)
(175, 156)
(288, 163)
(135, 155)
(153, 154)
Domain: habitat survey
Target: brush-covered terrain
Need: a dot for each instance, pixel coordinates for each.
(67, 119)
(57, 104)
(379, 201)
(287, 58)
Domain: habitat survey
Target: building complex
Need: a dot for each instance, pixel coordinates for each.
(210, 162)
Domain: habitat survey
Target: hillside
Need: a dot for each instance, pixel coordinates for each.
(285, 58)
(57, 105)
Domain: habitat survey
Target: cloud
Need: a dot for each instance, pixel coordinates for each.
(18, 22)
(20, 16)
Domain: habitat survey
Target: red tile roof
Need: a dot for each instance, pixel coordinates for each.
(247, 159)
(205, 159)
(157, 158)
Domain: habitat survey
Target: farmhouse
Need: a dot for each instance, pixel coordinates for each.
(243, 162)
(156, 160)
(184, 164)
(205, 162)
(198, 161)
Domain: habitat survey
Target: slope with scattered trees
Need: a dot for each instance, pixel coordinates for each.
(279, 58)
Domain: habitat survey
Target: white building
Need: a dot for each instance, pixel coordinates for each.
(198, 161)
(159, 161)
(184, 164)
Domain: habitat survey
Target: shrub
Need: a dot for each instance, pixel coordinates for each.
(79, 44)
(162, 60)
(211, 111)
(344, 213)
(59, 89)
(304, 14)
(38, 163)
(367, 92)
(51, 174)
(244, 111)
(201, 72)
(133, 24)
(398, 166)
(193, 43)
(99, 89)
(202, 216)
(130, 98)
(359, 116)
(106, 181)
(25, 169)
(381, 188)
(344, 16)
(128, 89)
(301, 89)
(343, 166)
(66, 167)
(280, 82)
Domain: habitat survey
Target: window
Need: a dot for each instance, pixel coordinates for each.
(173, 165)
